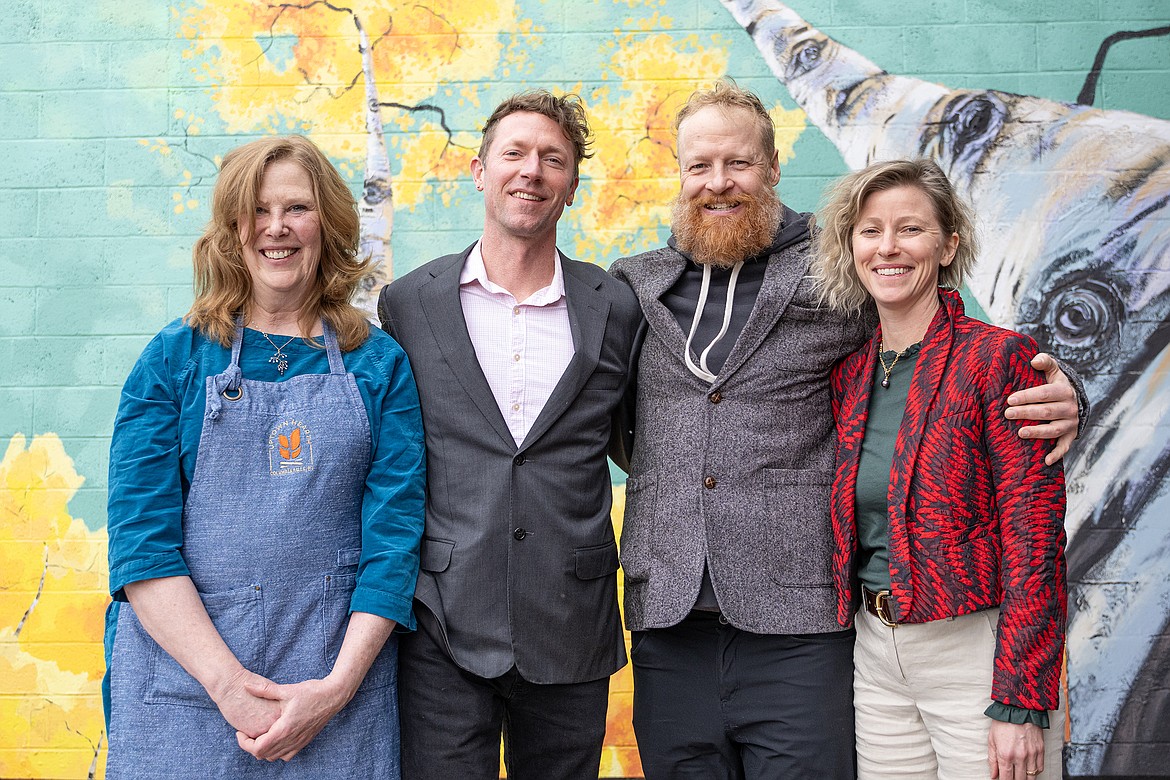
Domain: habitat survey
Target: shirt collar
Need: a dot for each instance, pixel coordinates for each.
(474, 271)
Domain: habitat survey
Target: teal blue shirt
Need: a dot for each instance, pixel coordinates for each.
(156, 441)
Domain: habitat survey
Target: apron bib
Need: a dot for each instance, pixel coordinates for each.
(272, 537)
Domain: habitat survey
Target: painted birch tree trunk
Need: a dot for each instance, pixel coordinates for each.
(376, 207)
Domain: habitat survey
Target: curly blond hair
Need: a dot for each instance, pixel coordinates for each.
(832, 265)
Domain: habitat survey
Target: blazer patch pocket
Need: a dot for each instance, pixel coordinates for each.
(593, 562)
(435, 554)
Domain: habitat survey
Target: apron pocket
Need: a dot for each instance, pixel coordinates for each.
(335, 619)
(238, 616)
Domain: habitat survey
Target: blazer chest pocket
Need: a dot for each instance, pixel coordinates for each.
(435, 554)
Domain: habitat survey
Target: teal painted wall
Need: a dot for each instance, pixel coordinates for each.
(112, 116)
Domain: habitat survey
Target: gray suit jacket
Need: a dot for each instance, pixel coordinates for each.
(735, 474)
(519, 559)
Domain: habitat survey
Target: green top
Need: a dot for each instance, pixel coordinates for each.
(887, 406)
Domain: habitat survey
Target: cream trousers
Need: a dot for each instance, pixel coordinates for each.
(919, 694)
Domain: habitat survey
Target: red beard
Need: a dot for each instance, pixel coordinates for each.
(723, 241)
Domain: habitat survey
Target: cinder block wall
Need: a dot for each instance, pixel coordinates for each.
(113, 116)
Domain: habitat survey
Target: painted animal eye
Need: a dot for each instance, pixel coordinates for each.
(1080, 322)
(1080, 315)
(805, 56)
(971, 124)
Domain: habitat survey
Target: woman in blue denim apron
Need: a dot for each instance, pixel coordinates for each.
(266, 501)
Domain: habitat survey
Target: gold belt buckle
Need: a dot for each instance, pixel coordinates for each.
(881, 605)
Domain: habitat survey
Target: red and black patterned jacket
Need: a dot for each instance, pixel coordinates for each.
(976, 517)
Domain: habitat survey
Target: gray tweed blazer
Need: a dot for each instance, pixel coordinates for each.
(735, 474)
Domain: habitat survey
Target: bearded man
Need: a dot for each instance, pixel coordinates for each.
(740, 667)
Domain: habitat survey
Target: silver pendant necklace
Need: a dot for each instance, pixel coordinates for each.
(279, 358)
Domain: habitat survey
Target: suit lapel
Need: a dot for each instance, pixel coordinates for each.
(588, 313)
(444, 313)
(665, 269)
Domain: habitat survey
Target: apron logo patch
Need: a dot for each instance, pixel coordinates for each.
(290, 448)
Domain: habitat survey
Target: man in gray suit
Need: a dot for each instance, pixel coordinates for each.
(740, 667)
(521, 356)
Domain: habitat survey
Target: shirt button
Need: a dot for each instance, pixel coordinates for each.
(516, 357)
(519, 534)
(715, 397)
(515, 407)
(709, 483)
(515, 309)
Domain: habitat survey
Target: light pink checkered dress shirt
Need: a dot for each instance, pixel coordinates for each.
(523, 347)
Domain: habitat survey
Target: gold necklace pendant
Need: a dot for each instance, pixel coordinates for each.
(890, 367)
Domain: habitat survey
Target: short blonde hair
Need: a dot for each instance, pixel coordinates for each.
(833, 247)
(223, 286)
(727, 95)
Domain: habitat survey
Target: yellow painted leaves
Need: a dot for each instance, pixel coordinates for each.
(53, 583)
(297, 67)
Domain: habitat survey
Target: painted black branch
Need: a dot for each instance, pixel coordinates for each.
(1089, 90)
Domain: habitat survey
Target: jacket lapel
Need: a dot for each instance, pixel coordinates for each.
(664, 269)
(444, 313)
(588, 313)
(928, 373)
(781, 278)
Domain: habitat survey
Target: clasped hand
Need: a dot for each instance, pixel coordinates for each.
(274, 721)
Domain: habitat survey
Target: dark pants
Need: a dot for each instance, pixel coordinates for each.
(451, 720)
(717, 703)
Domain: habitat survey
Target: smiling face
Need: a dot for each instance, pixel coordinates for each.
(528, 176)
(898, 249)
(726, 210)
(283, 249)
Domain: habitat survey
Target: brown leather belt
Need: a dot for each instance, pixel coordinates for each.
(879, 605)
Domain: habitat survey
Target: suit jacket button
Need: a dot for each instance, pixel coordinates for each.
(519, 460)
(519, 533)
(715, 397)
(709, 483)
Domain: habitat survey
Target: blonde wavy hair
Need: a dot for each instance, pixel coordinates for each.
(832, 265)
(223, 286)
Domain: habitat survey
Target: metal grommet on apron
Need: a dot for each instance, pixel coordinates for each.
(272, 537)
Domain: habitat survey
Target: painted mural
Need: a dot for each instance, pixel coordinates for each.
(1075, 210)
(114, 116)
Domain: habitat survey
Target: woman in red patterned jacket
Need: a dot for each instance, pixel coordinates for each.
(949, 527)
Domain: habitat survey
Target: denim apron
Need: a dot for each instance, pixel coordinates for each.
(272, 537)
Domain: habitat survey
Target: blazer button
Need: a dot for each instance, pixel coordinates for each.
(519, 534)
(709, 483)
(519, 459)
(715, 397)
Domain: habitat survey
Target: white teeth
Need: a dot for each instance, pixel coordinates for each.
(526, 196)
(277, 254)
(891, 271)
(719, 206)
